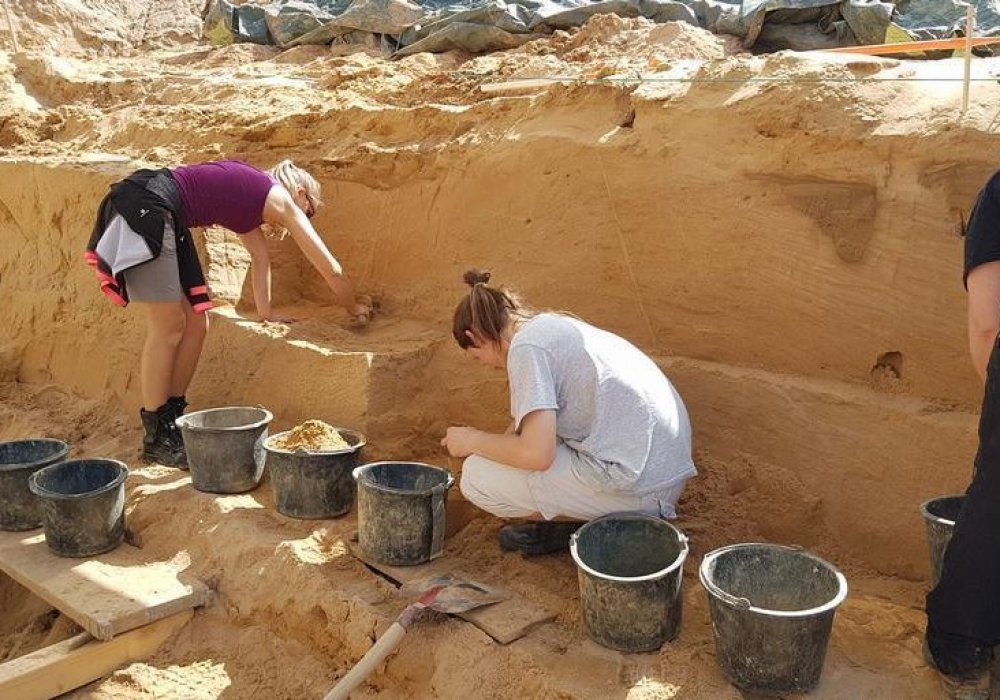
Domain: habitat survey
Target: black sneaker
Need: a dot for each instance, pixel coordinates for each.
(533, 539)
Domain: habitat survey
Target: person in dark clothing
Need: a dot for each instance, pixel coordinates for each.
(142, 251)
(963, 613)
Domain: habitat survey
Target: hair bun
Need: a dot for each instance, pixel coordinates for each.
(474, 277)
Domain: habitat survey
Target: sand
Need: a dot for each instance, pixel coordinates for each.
(311, 436)
(776, 231)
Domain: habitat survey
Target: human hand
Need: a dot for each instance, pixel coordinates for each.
(460, 441)
(361, 316)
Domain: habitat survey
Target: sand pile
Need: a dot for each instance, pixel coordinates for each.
(311, 436)
(294, 610)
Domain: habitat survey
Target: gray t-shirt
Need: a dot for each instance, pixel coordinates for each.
(613, 404)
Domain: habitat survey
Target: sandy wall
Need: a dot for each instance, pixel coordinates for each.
(787, 250)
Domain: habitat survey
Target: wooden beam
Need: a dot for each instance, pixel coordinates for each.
(107, 594)
(916, 46)
(62, 667)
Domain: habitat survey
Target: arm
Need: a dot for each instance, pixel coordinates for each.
(260, 272)
(280, 209)
(984, 313)
(533, 447)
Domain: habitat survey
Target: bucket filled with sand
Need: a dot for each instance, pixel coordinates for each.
(311, 468)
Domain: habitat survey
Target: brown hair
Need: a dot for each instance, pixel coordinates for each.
(485, 310)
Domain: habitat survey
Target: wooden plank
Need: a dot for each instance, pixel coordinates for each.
(108, 594)
(970, 22)
(915, 46)
(62, 667)
(506, 621)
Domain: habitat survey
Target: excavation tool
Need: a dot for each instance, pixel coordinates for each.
(444, 593)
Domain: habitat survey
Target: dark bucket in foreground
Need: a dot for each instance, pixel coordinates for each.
(401, 511)
(772, 610)
(225, 447)
(83, 505)
(630, 568)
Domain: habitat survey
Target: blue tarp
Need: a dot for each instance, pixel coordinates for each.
(412, 26)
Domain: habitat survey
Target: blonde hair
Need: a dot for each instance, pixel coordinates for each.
(292, 177)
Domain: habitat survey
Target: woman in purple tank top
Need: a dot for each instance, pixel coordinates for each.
(142, 251)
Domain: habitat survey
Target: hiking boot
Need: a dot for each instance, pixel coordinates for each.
(161, 442)
(533, 539)
(975, 687)
(175, 406)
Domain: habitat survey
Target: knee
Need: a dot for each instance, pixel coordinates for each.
(168, 330)
(471, 484)
(196, 326)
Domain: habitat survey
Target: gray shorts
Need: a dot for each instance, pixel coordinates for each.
(160, 278)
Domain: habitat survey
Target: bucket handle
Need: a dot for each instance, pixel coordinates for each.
(438, 495)
(736, 601)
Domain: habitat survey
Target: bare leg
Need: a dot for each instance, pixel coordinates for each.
(983, 283)
(164, 330)
(188, 351)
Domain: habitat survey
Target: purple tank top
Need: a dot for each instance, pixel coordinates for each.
(226, 193)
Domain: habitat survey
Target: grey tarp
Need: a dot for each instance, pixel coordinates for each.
(925, 19)
(477, 26)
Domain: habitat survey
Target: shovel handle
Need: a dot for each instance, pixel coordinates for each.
(372, 658)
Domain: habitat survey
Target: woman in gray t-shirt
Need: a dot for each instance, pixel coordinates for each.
(597, 428)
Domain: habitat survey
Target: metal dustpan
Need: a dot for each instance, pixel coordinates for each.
(449, 594)
(445, 593)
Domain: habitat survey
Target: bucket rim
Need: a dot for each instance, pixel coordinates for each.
(357, 472)
(60, 454)
(184, 421)
(929, 516)
(744, 604)
(43, 492)
(343, 431)
(656, 575)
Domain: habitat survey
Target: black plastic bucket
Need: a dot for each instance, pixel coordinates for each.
(939, 516)
(83, 505)
(312, 485)
(401, 511)
(19, 508)
(225, 447)
(629, 568)
(772, 611)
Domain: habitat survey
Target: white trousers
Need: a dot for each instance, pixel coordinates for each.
(508, 492)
